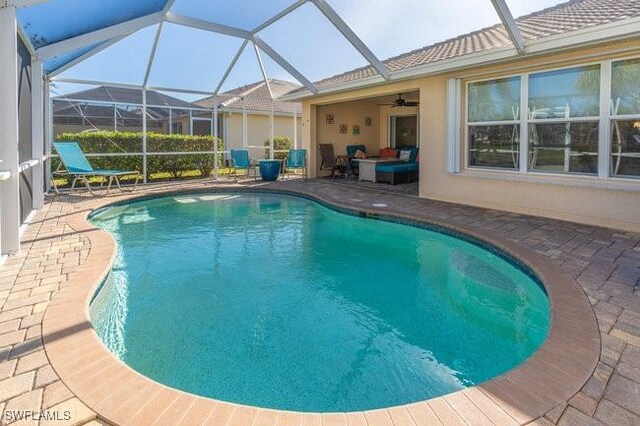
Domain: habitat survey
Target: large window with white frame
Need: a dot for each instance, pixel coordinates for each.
(625, 115)
(494, 123)
(563, 120)
(581, 120)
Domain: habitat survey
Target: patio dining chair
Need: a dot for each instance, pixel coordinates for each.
(329, 161)
(240, 161)
(296, 160)
(76, 164)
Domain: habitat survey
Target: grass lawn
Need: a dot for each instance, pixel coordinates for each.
(63, 182)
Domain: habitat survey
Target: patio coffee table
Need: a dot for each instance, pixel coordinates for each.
(368, 167)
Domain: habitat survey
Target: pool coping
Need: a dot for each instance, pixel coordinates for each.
(120, 395)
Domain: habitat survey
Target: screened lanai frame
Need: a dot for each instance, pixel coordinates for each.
(192, 113)
(67, 51)
(120, 31)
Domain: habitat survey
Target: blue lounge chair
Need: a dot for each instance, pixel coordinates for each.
(240, 161)
(296, 159)
(76, 165)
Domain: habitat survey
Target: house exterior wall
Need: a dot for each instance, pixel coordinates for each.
(259, 129)
(574, 198)
(350, 114)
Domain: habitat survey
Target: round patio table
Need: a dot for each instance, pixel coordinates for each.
(270, 169)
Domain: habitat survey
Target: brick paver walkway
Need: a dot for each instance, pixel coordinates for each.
(605, 262)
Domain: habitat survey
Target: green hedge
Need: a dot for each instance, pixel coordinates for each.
(119, 142)
(279, 142)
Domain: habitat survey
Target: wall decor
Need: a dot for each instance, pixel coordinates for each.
(344, 129)
(329, 118)
(356, 130)
(368, 121)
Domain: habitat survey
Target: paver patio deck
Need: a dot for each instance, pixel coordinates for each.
(605, 262)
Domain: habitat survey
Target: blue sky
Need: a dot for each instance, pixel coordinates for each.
(193, 59)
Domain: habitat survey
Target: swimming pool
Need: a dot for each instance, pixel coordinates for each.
(276, 301)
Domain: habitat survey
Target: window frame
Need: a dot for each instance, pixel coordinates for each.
(605, 121)
(405, 114)
(612, 118)
(467, 124)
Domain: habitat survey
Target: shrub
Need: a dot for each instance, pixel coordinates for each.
(104, 142)
(279, 142)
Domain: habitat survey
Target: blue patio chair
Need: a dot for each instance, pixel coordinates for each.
(77, 165)
(296, 160)
(240, 161)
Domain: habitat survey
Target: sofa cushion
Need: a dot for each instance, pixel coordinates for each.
(414, 154)
(396, 167)
(388, 153)
(351, 150)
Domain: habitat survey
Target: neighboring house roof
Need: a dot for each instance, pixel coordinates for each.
(126, 96)
(560, 19)
(256, 97)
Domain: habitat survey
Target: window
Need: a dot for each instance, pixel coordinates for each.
(494, 123)
(564, 113)
(582, 120)
(176, 128)
(625, 124)
(403, 131)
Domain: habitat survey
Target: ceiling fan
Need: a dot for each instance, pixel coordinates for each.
(401, 102)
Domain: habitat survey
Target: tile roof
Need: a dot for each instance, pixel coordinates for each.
(126, 96)
(559, 19)
(256, 97)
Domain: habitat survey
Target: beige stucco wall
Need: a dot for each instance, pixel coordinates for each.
(614, 203)
(350, 113)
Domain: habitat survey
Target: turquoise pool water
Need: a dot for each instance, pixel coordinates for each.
(276, 301)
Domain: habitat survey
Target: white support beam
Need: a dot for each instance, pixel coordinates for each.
(216, 166)
(510, 24)
(144, 136)
(271, 132)
(95, 83)
(26, 40)
(284, 64)
(118, 30)
(37, 133)
(245, 136)
(168, 6)
(152, 55)
(351, 36)
(48, 133)
(187, 91)
(85, 56)
(279, 16)
(206, 25)
(230, 67)
(9, 188)
(262, 70)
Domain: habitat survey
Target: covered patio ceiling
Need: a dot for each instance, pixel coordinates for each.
(95, 25)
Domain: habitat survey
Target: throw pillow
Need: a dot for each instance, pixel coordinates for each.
(405, 155)
(360, 154)
(388, 153)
